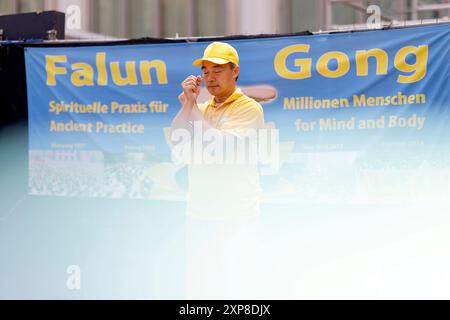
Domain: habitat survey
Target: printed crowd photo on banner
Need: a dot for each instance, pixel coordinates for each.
(356, 117)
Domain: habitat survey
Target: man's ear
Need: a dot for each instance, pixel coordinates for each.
(236, 71)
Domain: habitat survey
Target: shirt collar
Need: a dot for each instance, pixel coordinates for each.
(236, 95)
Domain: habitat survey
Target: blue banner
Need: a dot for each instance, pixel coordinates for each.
(362, 116)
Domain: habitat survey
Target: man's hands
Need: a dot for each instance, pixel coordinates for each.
(191, 89)
(188, 99)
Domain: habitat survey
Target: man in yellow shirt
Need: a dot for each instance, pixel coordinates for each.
(221, 189)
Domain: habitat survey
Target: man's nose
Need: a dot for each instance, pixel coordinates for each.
(209, 77)
(210, 81)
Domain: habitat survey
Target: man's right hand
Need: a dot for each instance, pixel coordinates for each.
(191, 89)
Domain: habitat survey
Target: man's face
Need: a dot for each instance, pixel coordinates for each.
(220, 79)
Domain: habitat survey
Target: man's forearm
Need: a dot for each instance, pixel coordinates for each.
(183, 117)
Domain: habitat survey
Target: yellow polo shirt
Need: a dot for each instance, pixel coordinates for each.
(238, 112)
(227, 190)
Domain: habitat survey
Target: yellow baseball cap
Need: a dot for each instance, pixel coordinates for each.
(219, 53)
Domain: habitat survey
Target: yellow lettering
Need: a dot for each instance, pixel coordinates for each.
(419, 68)
(52, 70)
(159, 66)
(342, 62)
(83, 76)
(102, 78)
(359, 101)
(303, 64)
(129, 79)
(362, 64)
